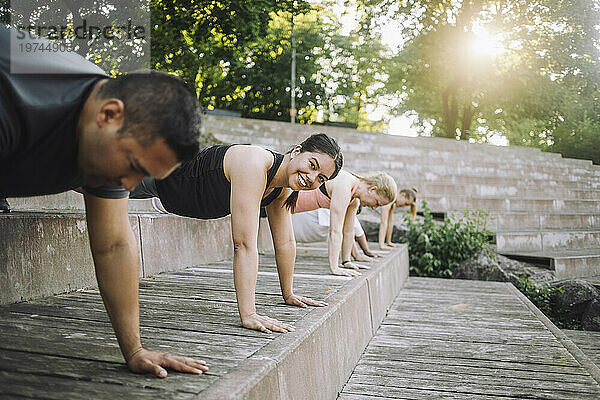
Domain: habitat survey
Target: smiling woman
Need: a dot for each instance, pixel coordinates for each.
(239, 180)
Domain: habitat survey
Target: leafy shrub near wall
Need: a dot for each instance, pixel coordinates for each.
(435, 249)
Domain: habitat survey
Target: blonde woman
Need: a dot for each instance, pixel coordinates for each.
(405, 198)
(342, 196)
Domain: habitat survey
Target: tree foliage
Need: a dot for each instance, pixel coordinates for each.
(258, 80)
(538, 87)
(95, 29)
(198, 40)
(247, 68)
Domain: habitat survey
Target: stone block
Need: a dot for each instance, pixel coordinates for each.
(518, 241)
(577, 266)
(45, 254)
(561, 240)
(257, 379)
(71, 201)
(327, 355)
(169, 242)
(570, 221)
(521, 221)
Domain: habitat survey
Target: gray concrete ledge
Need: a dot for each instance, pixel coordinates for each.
(70, 200)
(315, 360)
(43, 254)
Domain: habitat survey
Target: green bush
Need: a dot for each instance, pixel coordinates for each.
(435, 249)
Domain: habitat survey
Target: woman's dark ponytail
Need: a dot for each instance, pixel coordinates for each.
(290, 202)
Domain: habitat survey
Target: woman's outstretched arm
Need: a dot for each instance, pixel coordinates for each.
(387, 220)
(348, 235)
(246, 170)
(341, 195)
(390, 225)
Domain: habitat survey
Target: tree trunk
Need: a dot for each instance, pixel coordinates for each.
(450, 109)
(467, 119)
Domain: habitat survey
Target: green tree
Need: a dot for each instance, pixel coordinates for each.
(539, 87)
(258, 79)
(355, 69)
(85, 24)
(198, 40)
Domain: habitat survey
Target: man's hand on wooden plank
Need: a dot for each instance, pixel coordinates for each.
(146, 361)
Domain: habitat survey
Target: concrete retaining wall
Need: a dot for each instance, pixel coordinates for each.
(42, 254)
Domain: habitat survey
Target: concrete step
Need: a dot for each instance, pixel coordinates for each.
(443, 169)
(419, 179)
(391, 160)
(536, 221)
(279, 135)
(70, 200)
(567, 264)
(450, 203)
(551, 240)
(514, 190)
(283, 134)
(433, 170)
(47, 253)
(372, 154)
(543, 221)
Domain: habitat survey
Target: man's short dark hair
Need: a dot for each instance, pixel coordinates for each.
(158, 105)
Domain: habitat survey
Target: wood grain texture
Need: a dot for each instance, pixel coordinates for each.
(454, 339)
(64, 347)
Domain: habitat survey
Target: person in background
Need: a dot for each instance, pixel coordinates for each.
(313, 226)
(342, 196)
(405, 198)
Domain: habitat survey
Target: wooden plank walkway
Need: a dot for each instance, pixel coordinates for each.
(64, 347)
(453, 339)
(588, 342)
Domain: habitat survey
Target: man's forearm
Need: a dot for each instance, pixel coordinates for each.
(118, 276)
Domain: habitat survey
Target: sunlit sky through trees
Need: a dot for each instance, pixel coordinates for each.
(485, 44)
(495, 36)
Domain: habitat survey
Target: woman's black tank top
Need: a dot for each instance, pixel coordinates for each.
(199, 188)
